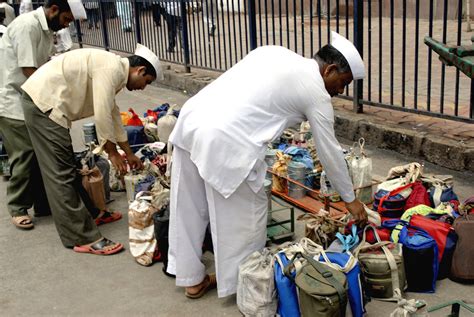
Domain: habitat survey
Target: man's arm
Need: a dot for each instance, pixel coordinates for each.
(28, 71)
(332, 159)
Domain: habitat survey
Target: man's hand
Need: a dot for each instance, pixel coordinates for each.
(356, 208)
(134, 162)
(118, 162)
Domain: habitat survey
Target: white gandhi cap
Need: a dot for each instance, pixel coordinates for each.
(77, 9)
(147, 54)
(351, 54)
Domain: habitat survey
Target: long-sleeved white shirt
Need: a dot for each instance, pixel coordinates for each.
(226, 127)
(79, 84)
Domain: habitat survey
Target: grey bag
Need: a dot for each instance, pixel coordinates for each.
(256, 293)
(382, 266)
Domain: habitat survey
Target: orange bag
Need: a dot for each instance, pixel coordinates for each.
(125, 117)
(134, 120)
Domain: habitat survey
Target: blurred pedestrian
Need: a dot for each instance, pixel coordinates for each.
(92, 10)
(9, 12)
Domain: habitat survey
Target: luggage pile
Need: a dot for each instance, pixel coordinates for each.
(418, 233)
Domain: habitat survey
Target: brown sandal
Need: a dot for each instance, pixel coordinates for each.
(23, 222)
(208, 283)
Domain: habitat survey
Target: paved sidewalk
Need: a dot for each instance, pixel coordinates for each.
(39, 277)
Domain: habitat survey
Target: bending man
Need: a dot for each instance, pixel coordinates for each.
(220, 141)
(75, 85)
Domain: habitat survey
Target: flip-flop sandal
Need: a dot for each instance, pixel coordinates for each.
(211, 283)
(98, 247)
(108, 217)
(23, 222)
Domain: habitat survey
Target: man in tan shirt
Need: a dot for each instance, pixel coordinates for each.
(75, 85)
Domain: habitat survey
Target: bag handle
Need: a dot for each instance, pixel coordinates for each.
(393, 192)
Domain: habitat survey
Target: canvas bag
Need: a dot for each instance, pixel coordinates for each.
(462, 268)
(382, 266)
(348, 264)
(256, 293)
(93, 183)
(420, 253)
(166, 124)
(325, 297)
(141, 228)
(360, 170)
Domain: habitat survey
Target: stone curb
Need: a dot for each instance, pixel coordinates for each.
(432, 148)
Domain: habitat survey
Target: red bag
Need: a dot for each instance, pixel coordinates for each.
(134, 120)
(436, 229)
(152, 114)
(418, 196)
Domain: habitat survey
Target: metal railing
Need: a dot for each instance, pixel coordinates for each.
(402, 72)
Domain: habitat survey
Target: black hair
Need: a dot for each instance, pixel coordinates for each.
(2, 15)
(328, 54)
(136, 61)
(62, 5)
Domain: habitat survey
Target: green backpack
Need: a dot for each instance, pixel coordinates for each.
(322, 289)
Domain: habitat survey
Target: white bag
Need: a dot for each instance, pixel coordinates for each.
(360, 169)
(141, 228)
(256, 293)
(166, 124)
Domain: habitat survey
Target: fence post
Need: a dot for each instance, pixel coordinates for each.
(185, 39)
(103, 19)
(77, 23)
(252, 24)
(359, 44)
(138, 29)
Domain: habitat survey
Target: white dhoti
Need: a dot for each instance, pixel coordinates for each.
(238, 224)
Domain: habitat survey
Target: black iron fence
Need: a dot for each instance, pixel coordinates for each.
(403, 73)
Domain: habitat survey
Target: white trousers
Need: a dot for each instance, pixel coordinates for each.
(238, 225)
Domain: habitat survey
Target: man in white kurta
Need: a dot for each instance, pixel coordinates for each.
(219, 146)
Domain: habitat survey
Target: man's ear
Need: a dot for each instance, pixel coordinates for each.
(141, 70)
(329, 69)
(53, 11)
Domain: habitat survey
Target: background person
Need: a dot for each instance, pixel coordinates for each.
(27, 44)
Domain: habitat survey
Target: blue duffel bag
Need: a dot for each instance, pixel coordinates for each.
(420, 254)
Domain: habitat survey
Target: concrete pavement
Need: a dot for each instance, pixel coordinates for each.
(39, 277)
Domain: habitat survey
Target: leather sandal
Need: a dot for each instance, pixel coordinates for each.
(98, 248)
(108, 217)
(23, 222)
(207, 284)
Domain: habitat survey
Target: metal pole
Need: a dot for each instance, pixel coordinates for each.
(468, 16)
(184, 23)
(78, 32)
(359, 44)
(252, 24)
(103, 16)
(138, 29)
